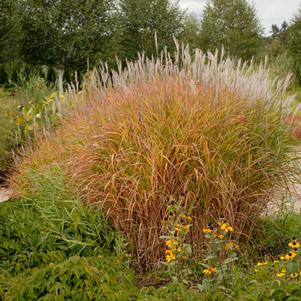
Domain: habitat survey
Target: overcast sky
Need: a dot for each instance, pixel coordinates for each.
(269, 11)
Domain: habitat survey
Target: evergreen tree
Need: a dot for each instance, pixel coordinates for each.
(232, 24)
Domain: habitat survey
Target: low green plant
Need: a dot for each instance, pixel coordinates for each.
(286, 266)
(40, 106)
(8, 128)
(178, 251)
(51, 225)
(77, 278)
(273, 233)
(220, 255)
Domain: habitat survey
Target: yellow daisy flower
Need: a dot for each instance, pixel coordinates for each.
(170, 258)
(219, 236)
(178, 227)
(226, 227)
(294, 275)
(295, 245)
(187, 218)
(186, 227)
(171, 243)
(209, 271)
(290, 256)
(207, 230)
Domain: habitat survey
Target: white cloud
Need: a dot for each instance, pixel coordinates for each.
(269, 11)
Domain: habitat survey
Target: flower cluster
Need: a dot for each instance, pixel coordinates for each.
(178, 251)
(218, 233)
(170, 256)
(220, 249)
(173, 250)
(288, 265)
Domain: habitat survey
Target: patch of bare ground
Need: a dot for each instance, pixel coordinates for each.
(5, 194)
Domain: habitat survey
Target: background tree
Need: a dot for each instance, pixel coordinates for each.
(277, 42)
(232, 24)
(9, 30)
(191, 32)
(9, 36)
(65, 34)
(140, 20)
(294, 44)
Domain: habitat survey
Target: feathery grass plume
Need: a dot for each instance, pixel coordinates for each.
(204, 129)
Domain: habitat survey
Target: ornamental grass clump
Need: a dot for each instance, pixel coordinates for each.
(206, 130)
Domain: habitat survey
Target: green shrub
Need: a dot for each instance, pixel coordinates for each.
(39, 109)
(51, 225)
(8, 128)
(273, 233)
(77, 278)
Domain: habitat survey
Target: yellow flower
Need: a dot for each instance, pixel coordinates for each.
(294, 275)
(186, 227)
(280, 275)
(226, 228)
(290, 256)
(171, 243)
(282, 258)
(187, 218)
(170, 258)
(207, 230)
(231, 245)
(178, 227)
(219, 236)
(259, 264)
(19, 121)
(209, 271)
(276, 261)
(295, 245)
(178, 250)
